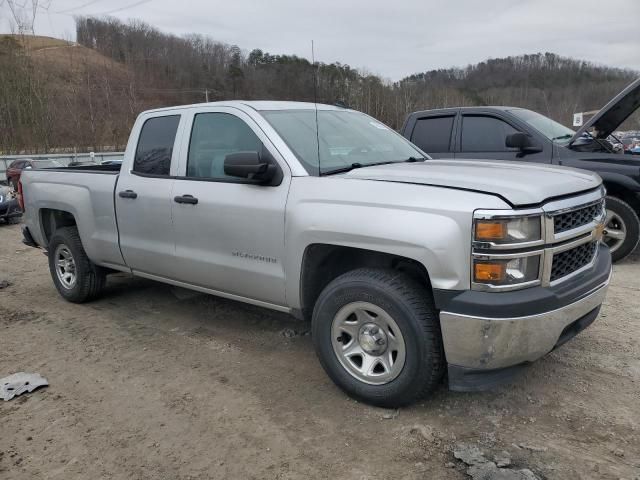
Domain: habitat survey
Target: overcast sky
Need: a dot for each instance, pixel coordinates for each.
(392, 38)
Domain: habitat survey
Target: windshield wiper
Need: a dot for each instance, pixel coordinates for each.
(344, 169)
(355, 165)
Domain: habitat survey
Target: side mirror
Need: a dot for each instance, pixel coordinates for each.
(522, 142)
(249, 165)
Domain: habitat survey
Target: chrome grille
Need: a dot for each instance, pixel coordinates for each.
(564, 222)
(569, 261)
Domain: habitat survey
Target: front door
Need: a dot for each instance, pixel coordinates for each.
(143, 199)
(229, 234)
(483, 137)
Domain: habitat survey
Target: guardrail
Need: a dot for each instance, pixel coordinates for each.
(64, 158)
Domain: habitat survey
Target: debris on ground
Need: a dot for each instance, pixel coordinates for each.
(425, 431)
(5, 284)
(503, 459)
(288, 332)
(480, 468)
(391, 414)
(18, 383)
(533, 448)
(469, 454)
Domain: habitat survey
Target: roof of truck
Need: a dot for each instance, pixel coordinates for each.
(479, 108)
(256, 105)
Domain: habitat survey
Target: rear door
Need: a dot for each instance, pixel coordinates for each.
(434, 135)
(483, 136)
(232, 239)
(143, 197)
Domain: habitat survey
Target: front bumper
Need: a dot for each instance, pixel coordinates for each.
(487, 347)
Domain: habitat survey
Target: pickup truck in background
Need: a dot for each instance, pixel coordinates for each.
(510, 133)
(406, 268)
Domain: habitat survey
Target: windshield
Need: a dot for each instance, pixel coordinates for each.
(549, 128)
(46, 164)
(347, 139)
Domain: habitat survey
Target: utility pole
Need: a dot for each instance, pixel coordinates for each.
(206, 95)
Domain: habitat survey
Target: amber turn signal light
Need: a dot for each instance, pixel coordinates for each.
(489, 272)
(486, 230)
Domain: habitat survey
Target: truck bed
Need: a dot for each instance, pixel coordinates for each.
(113, 169)
(87, 193)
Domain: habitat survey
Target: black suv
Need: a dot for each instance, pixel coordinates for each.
(510, 133)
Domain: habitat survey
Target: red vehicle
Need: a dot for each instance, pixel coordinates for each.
(15, 168)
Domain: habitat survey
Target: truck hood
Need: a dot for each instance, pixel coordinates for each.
(518, 183)
(613, 113)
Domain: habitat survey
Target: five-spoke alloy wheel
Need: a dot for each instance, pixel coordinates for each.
(65, 266)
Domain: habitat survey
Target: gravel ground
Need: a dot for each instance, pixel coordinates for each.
(154, 382)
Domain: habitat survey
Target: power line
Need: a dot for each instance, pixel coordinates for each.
(70, 11)
(79, 7)
(122, 8)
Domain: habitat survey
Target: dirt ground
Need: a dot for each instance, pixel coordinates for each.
(154, 382)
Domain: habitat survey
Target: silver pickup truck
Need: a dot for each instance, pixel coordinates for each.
(406, 267)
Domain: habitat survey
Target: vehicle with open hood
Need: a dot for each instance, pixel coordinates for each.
(510, 133)
(406, 267)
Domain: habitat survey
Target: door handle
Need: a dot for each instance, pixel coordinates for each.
(127, 194)
(190, 199)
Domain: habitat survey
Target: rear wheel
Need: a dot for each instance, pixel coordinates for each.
(377, 335)
(622, 228)
(74, 275)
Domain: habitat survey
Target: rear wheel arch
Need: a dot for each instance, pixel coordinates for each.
(54, 219)
(322, 263)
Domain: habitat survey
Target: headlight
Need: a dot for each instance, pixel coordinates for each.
(508, 230)
(506, 272)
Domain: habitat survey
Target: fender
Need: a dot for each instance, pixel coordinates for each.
(430, 225)
(620, 180)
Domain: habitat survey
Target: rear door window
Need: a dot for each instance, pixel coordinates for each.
(155, 145)
(482, 133)
(433, 134)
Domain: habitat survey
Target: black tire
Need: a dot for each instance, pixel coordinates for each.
(411, 307)
(630, 218)
(90, 278)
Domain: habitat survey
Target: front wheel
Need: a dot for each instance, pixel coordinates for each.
(622, 228)
(377, 335)
(76, 278)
